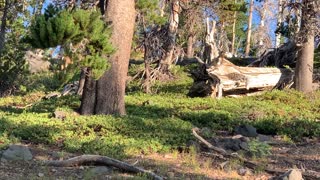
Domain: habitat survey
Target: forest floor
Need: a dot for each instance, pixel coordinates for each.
(199, 165)
(157, 131)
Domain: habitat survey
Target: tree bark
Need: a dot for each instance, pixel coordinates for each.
(190, 50)
(211, 50)
(110, 88)
(146, 83)
(249, 29)
(166, 62)
(88, 100)
(279, 19)
(4, 25)
(82, 80)
(304, 66)
(234, 33)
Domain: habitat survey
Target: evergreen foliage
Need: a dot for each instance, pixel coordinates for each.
(81, 32)
(13, 66)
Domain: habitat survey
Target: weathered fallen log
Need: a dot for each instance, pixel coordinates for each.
(223, 77)
(102, 160)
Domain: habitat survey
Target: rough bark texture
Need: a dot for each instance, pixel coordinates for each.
(249, 29)
(111, 86)
(108, 97)
(304, 66)
(89, 95)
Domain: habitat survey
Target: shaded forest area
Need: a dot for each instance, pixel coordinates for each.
(159, 89)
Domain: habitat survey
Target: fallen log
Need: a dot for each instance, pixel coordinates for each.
(102, 160)
(223, 77)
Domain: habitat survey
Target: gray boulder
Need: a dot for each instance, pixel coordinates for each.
(246, 130)
(17, 153)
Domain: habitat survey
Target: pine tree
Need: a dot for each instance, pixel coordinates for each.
(82, 33)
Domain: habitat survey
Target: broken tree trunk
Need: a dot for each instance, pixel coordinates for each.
(211, 50)
(227, 78)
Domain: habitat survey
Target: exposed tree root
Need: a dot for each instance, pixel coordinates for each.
(102, 160)
(250, 164)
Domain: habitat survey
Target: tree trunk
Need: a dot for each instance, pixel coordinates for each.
(146, 83)
(279, 19)
(190, 50)
(82, 80)
(88, 100)
(249, 29)
(234, 33)
(210, 50)
(110, 88)
(166, 62)
(304, 66)
(4, 25)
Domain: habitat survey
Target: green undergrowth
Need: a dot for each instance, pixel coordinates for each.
(157, 122)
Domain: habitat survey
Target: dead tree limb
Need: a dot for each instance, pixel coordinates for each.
(250, 164)
(104, 160)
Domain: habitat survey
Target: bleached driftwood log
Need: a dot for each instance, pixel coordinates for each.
(224, 77)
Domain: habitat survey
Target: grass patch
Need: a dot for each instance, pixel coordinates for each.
(155, 122)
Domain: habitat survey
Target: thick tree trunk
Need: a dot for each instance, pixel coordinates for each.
(304, 66)
(247, 52)
(110, 88)
(3, 25)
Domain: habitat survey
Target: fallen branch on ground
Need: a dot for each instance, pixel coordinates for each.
(250, 164)
(102, 160)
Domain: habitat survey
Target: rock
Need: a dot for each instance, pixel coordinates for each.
(263, 138)
(40, 174)
(246, 130)
(59, 114)
(100, 170)
(244, 146)
(292, 174)
(242, 171)
(17, 153)
(233, 144)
